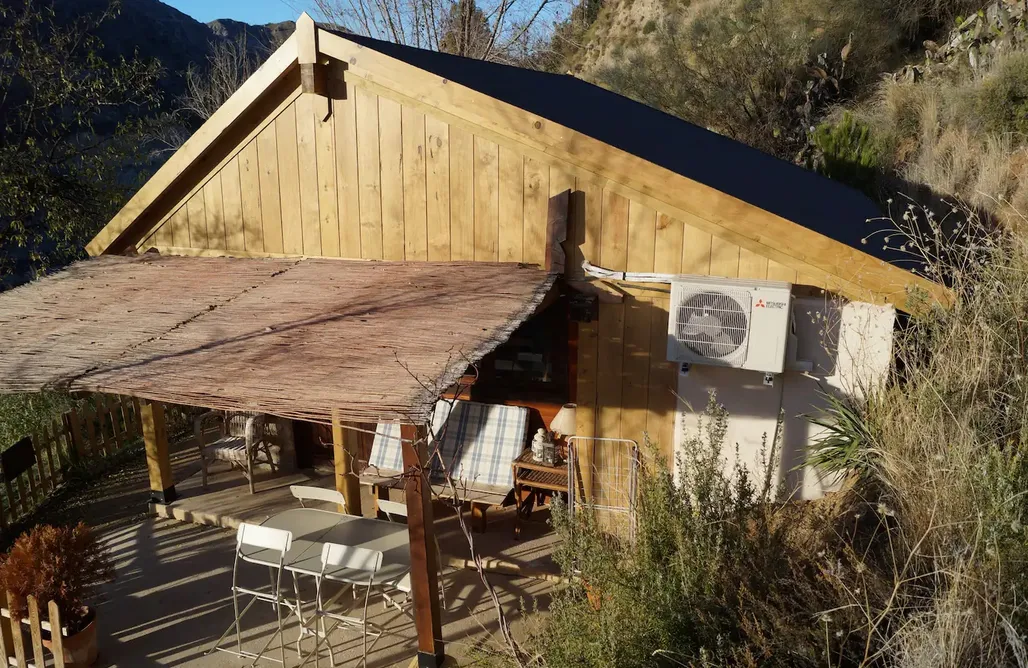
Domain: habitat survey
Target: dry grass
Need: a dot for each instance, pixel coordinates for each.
(952, 134)
(953, 430)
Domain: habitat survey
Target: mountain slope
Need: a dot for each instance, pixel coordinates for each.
(152, 29)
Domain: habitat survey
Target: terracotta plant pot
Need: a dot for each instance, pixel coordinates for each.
(79, 649)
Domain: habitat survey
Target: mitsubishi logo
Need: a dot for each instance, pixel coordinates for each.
(760, 304)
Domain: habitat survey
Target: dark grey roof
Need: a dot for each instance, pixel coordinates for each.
(827, 207)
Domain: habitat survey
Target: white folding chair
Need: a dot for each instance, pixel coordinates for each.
(393, 510)
(354, 567)
(308, 493)
(263, 546)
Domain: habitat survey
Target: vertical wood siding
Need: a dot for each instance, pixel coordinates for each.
(378, 179)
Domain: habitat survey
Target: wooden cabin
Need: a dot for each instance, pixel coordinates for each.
(346, 147)
(420, 212)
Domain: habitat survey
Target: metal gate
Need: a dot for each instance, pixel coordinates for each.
(602, 478)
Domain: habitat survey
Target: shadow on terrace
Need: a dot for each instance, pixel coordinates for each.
(171, 599)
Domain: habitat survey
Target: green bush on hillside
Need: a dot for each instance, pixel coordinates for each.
(848, 151)
(1002, 101)
(718, 573)
(25, 413)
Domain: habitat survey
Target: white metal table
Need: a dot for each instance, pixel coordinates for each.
(312, 528)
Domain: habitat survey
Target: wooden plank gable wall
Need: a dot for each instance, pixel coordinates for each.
(382, 179)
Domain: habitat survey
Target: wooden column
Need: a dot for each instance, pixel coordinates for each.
(158, 457)
(345, 446)
(556, 232)
(424, 569)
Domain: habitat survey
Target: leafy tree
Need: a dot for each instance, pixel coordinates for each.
(70, 128)
(495, 30)
(570, 35)
(466, 30)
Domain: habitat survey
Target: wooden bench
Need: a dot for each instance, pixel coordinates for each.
(480, 498)
(478, 440)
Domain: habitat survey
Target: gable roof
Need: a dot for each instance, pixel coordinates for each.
(818, 203)
(736, 193)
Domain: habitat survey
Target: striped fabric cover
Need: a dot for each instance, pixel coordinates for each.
(479, 442)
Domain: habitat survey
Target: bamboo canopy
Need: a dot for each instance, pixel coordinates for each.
(300, 338)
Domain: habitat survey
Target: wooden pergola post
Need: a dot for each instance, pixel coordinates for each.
(158, 457)
(424, 569)
(345, 446)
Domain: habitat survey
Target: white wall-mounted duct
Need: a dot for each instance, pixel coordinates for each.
(627, 276)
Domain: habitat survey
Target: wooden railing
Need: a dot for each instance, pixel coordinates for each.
(100, 427)
(37, 628)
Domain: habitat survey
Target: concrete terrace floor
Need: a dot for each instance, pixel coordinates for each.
(171, 599)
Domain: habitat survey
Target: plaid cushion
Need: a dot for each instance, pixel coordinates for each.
(479, 442)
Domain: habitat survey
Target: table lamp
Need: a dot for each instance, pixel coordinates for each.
(564, 423)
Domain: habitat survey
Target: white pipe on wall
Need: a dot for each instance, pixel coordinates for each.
(629, 276)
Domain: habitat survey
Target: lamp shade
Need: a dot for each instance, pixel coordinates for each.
(563, 422)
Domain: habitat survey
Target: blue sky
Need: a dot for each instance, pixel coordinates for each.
(250, 11)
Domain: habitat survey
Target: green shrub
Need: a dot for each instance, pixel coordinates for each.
(715, 574)
(649, 27)
(846, 444)
(23, 414)
(849, 152)
(1002, 100)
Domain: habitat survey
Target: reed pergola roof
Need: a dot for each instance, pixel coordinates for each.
(300, 338)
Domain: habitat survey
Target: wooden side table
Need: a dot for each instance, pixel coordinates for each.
(535, 482)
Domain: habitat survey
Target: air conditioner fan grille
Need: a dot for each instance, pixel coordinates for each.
(714, 325)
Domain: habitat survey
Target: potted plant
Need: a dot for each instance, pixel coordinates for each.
(65, 565)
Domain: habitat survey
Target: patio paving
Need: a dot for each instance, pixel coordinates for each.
(171, 601)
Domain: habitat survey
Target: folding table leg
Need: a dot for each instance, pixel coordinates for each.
(235, 624)
(239, 620)
(299, 614)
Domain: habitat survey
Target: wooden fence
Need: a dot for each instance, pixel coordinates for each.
(102, 426)
(12, 636)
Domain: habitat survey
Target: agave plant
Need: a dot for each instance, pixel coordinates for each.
(846, 444)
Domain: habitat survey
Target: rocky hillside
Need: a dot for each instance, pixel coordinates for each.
(156, 30)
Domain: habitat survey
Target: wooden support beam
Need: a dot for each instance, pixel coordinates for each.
(556, 232)
(158, 457)
(345, 446)
(424, 571)
(313, 78)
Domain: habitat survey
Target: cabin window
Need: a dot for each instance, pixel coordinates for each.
(532, 364)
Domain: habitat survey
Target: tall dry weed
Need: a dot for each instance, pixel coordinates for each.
(953, 429)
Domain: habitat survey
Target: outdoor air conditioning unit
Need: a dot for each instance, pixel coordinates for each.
(733, 323)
